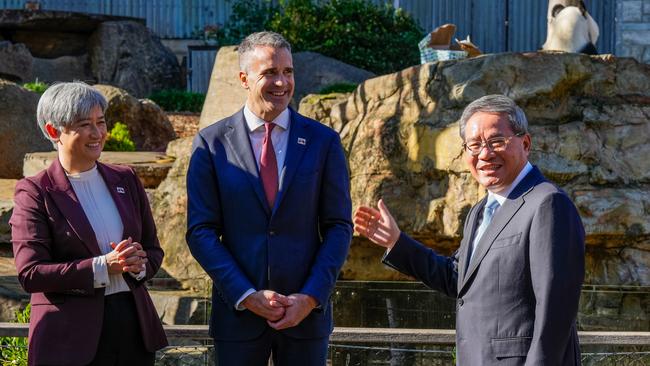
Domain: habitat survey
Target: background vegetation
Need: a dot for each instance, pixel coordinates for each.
(380, 39)
(119, 139)
(173, 100)
(13, 350)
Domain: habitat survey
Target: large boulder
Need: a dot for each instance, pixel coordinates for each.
(64, 68)
(15, 62)
(225, 94)
(128, 55)
(148, 124)
(19, 133)
(591, 134)
(169, 205)
(313, 72)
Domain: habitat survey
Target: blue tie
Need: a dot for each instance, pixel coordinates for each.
(488, 211)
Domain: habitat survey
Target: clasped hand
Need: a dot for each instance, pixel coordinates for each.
(127, 256)
(280, 311)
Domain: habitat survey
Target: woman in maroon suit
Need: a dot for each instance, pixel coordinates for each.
(84, 244)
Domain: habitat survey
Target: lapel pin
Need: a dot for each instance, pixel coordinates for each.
(302, 141)
(120, 190)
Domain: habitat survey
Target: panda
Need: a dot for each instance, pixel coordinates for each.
(570, 27)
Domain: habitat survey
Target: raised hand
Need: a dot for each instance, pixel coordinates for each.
(377, 225)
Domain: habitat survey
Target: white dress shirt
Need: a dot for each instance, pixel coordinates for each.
(105, 219)
(503, 195)
(279, 137)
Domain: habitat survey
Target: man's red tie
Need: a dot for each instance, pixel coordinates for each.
(269, 166)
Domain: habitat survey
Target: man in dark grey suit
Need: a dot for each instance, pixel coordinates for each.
(519, 269)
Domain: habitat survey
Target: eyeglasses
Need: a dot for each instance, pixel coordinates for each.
(495, 144)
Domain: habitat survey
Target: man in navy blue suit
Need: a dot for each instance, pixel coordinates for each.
(269, 218)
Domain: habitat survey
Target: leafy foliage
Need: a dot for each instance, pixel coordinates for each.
(13, 350)
(338, 88)
(380, 39)
(36, 86)
(119, 139)
(173, 100)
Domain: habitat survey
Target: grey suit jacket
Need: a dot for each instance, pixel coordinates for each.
(517, 300)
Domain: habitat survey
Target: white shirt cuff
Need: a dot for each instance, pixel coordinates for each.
(100, 272)
(140, 275)
(238, 304)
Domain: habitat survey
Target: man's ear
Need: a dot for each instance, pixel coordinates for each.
(52, 131)
(243, 78)
(527, 143)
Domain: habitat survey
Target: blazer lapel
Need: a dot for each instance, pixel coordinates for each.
(299, 136)
(501, 218)
(116, 185)
(240, 144)
(67, 202)
(468, 237)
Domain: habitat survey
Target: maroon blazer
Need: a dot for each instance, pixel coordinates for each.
(54, 245)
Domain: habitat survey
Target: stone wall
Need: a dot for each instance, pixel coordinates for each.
(633, 29)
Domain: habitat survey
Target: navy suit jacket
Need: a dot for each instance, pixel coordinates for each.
(297, 246)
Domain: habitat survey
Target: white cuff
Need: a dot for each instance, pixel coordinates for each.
(100, 272)
(238, 305)
(140, 275)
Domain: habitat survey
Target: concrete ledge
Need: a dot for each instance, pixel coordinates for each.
(380, 335)
(151, 167)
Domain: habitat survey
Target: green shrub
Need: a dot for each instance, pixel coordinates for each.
(173, 100)
(13, 350)
(380, 39)
(36, 86)
(119, 139)
(338, 88)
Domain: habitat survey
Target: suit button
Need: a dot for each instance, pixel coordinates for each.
(460, 302)
(271, 232)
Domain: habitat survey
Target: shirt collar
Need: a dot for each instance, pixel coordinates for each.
(503, 195)
(254, 122)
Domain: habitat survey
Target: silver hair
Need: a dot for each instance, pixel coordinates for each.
(64, 103)
(270, 39)
(496, 103)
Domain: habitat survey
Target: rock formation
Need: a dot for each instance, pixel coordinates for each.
(19, 133)
(64, 46)
(590, 125)
(148, 124)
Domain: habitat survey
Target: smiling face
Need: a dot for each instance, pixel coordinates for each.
(495, 170)
(80, 144)
(269, 81)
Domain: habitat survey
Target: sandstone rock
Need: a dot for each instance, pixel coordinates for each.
(151, 167)
(319, 107)
(15, 62)
(590, 130)
(589, 122)
(148, 124)
(128, 55)
(313, 72)
(52, 44)
(7, 187)
(19, 133)
(225, 94)
(169, 205)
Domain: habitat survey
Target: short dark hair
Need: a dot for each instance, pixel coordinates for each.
(253, 40)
